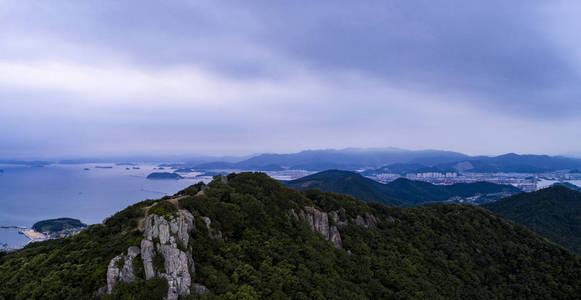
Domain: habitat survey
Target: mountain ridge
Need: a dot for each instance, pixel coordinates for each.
(398, 192)
(553, 212)
(377, 158)
(251, 237)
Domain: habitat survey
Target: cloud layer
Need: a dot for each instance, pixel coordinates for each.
(185, 77)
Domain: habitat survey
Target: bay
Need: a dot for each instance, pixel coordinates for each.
(89, 192)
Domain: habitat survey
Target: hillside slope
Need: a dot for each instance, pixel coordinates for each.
(553, 212)
(401, 191)
(247, 236)
(345, 182)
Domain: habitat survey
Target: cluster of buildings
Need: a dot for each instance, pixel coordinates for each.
(526, 182)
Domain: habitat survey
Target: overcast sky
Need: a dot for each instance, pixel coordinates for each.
(86, 78)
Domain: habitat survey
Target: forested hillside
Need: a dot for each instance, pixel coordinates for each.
(553, 212)
(402, 191)
(253, 238)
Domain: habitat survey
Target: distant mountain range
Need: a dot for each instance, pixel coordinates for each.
(514, 163)
(346, 159)
(402, 191)
(553, 212)
(373, 161)
(392, 160)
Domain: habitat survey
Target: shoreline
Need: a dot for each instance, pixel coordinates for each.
(33, 235)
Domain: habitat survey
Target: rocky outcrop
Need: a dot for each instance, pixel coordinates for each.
(147, 254)
(121, 268)
(179, 225)
(176, 271)
(319, 222)
(212, 233)
(328, 224)
(369, 221)
(113, 273)
(165, 239)
(339, 217)
(171, 237)
(200, 289)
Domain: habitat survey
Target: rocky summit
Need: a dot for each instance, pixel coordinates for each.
(247, 236)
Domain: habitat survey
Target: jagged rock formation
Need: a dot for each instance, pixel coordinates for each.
(212, 233)
(200, 289)
(319, 222)
(125, 272)
(168, 238)
(176, 259)
(369, 221)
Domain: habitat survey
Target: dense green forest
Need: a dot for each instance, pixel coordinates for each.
(554, 213)
(54, 225)
(401, 191)
(429, 252)
(345, 182)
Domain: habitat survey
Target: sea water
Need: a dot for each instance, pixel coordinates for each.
(31, 194)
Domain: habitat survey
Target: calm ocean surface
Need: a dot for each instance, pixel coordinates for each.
(28, 195)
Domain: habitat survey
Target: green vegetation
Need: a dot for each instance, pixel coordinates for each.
(55, 225)
(569, 186)
(152, 289)
(345, 182)
(191, 190)
(164, 175)
(162, 208)
(401, 191)
(554, 213)
(437, 251)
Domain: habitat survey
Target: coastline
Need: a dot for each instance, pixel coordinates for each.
(33, 235)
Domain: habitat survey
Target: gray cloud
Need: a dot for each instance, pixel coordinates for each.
(242, 77)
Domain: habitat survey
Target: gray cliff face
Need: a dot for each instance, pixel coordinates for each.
(113, 273)
(147, 254)
(167, 238)
(176, 261)
(121, 268)
(319, 222)
(127, 272)
(212, 233)
(176, 270)
(369, 221)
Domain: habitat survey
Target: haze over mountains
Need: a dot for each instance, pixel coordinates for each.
(356, 159)
(373, 160)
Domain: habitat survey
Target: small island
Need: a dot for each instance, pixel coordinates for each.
(164, 175)
(58, 225)
(52, 229)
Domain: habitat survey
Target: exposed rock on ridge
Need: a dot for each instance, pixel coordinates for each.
(319, 222)
(168, 238)
(212, 233)
(126, 273)
(176, 261)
